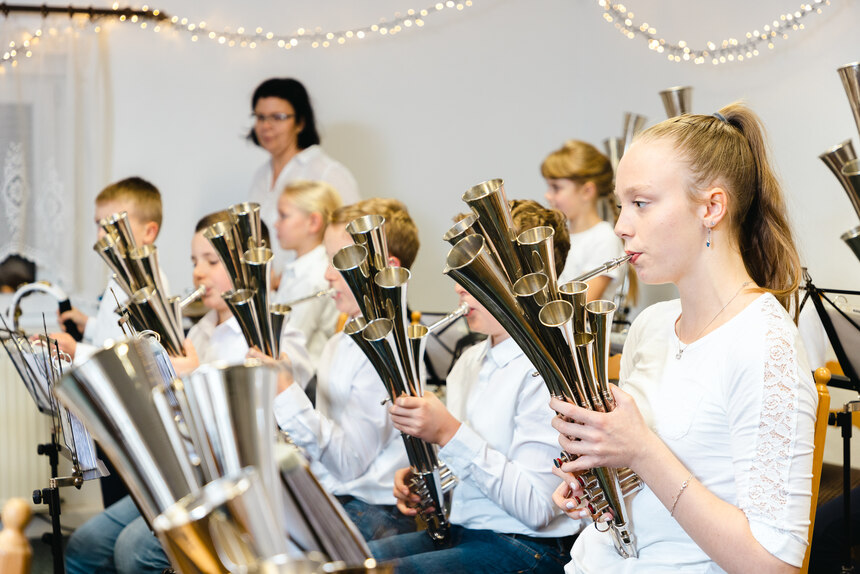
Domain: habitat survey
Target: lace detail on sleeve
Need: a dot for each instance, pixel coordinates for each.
(769, 473)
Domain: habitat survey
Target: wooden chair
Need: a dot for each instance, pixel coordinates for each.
(822, 377)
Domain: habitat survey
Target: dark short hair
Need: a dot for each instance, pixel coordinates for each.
(294, 92)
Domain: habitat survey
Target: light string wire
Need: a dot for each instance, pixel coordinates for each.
(157, 21)
(728, 50)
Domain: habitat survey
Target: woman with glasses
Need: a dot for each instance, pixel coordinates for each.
(284, 126)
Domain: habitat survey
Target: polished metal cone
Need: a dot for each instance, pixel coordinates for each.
(677, 100)
(112, 393)
(850, 76)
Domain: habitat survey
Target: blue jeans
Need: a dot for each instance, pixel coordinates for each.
(472, 551)
(115, 541)
(376, 521)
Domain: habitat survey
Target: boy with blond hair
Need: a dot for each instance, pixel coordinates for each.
(353, 447)
(142, 202)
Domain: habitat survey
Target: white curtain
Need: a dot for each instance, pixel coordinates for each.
(55, 135)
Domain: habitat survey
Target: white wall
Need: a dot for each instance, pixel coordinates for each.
(482, 93)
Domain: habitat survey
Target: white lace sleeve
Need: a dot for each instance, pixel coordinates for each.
(774, 486)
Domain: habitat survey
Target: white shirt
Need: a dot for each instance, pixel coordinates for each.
(225, 342)
(353, 446)
(316, 318)
(502, 453)
(590, 249)
(738, 409)
(310, 164)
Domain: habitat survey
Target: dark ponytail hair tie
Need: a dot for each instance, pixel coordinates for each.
(721, 117)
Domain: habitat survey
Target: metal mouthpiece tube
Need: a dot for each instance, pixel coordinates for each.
(192, 297)
(608, 266)
(460, 311)
(311, 297)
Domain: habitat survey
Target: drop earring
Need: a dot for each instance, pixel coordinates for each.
(708, 242)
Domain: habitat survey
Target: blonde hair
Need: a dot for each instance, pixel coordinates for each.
(401, 233)
(314, 197)
(143, 198)
(580, 162)
(731, 151)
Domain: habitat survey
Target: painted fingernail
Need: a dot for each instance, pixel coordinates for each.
(570, 505)
(605, 518)
(583, 513)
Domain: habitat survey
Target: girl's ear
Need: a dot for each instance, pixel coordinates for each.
(393, 261)
(588, 190)
(715, 206)
(315, 223)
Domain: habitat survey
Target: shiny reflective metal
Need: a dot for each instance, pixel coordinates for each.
(606, 267)
(465, 226)
(852, 239)
(851, 175)
(633, 124)
(258, 262)
(112, 393)
(114, 255)
(368, 231)
(311, 297)
(280, 316)
(246, 218)
(488, 201)
(391, 286)
(117, 226)
(227, 526)
(227, 242)
(354, 265)
(836, 158)
(614, 150)
(149, 311)
(677, 100)
(850, 76)
(243, 305)
(538, 256)
(576, 293)
(600, 315)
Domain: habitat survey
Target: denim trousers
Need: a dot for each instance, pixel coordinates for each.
(376, 521)
(117, 541)
(472, 551)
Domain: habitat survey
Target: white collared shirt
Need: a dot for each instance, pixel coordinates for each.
(310, 164)
(225, 342)
(353, 446)
(738, 410)
(503, 451)
(316, 318)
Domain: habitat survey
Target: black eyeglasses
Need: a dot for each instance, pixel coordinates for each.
(273, 118)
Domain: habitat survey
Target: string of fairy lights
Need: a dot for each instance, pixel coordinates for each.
(230, 37)
(728, 50)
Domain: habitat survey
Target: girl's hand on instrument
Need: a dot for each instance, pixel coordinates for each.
(283, 364)
(425, 418)
(186, 364)
(570, 497)
(407, 501)
(616, 439)
(75, 315)
(65, 341)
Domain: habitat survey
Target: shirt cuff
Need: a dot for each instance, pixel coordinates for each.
(462, 450)
(290, 403)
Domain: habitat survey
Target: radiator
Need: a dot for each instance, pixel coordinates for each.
(22, 429)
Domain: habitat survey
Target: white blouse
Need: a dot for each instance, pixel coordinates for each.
(738, 409)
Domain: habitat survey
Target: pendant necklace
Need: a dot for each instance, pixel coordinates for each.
(682, 347)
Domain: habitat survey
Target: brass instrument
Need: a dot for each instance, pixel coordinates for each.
(842, 160)
(549, 325)
(246, 258)
(677, 100)
(136, 270)
(201, 460)
(396, 350)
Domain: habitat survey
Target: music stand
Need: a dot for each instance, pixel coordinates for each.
(844, 418)
(40, 365)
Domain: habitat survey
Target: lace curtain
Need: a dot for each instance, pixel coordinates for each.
(55, 127)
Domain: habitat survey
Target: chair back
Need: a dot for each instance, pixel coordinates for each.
(822, 377)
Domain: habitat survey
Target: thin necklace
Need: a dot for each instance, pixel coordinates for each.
(682, 348)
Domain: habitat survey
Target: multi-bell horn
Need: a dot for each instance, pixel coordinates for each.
(677, 100)
(488, 201)
(850, 76)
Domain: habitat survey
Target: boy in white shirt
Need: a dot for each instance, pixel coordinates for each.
(495, 436)
(353, 447)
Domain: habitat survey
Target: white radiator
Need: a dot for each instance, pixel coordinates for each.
(22, 429)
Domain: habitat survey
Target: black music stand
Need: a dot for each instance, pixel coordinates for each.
(850, 381)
